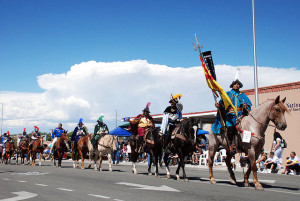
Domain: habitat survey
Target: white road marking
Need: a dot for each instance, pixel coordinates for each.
(152, 188)
(32, 173)
(6, 179)
(65, 189)
(282, 192)
(21, 195)
(21, 181)
(99, 196)
(118, 200)
(41, 184)
(269, 181)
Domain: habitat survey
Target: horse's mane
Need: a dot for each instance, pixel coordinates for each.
(269, 101)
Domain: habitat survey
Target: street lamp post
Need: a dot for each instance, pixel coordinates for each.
(254, 56)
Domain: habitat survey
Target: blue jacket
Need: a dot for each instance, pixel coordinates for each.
(57, 132)
(237, 99)
(76, 134)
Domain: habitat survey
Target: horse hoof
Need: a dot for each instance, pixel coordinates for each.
(157, 176)
(135, 173)
(110, 170)
(186, 180)
(246, 184)
(100, 169)
(89, 166)
(150, 174)
(82, 168)
(74, 166)
(232, 181)
(213, 181)
(59, 166)
(177, 177)
(168, 176)
(95, 168)
(260, 188)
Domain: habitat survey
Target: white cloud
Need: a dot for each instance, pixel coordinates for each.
(90, 89)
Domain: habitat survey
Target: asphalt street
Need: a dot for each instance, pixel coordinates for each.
(50, 183)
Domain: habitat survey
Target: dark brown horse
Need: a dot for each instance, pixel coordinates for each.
(9, 151)
(153, 146)
(256, 122)
(182, 144)
(83, 147)
(61, 146)
(22, 150)
(37, 147)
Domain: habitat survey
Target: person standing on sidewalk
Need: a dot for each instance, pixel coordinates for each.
(116, 154)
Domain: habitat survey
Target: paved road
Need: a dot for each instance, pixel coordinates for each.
(50, 183)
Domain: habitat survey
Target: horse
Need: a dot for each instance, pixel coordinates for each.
(153, 146)
(61, 146)
(22, 150)
(256, 122)
(183, 145)
(37, 147)
(84, 145)
(9, 151)
(106, 145)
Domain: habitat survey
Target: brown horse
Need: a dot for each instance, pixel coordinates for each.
(256, 122)
(83, 147)
(37, 147)
(60, 147)
(9, 151)
(22, 150)
(106, 145)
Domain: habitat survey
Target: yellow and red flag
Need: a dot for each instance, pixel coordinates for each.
(212, 83)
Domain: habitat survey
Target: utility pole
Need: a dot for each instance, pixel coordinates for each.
(1, 119)
(254, 56)
(116, 118)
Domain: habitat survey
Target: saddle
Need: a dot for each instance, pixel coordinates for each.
(176, 131)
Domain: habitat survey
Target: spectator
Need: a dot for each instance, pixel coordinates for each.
(124, 151)
(292, 165)
(260, 163)
(173, 159)
(271, 163)
(233, 163)
(116, 154)
(276, 148)
(129, 151)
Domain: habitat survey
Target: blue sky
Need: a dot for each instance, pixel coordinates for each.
(39, 37)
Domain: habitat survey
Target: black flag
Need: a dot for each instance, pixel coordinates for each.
(209, 63)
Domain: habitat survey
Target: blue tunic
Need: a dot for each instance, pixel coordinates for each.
(78, 132)
(237, 99)
(57, 132)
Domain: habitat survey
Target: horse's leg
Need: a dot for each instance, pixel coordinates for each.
(54, 156)
(156, 165)
(100, 161)
(90, 160)
(213, 146)
(109, 162)
(150, 163)
(82, 159)
(134, 159)
(181, 160)
(96, 157)
(40, 159)
(166, 161)
(228, 164)
(17, 159)
(252, 158)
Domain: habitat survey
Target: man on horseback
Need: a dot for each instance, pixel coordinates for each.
(22, 138)
(34, 136)
(144, 122)
(79, 132)
(172, 117)
(100, 130)
(56, 134)
(230, 117)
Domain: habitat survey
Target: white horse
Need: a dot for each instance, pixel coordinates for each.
(106, 145)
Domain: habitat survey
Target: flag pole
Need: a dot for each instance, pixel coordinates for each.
(254, 56)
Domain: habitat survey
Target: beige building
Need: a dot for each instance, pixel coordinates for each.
(292, 134)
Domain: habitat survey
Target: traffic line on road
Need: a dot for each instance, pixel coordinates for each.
(64, 189)
(41, 184)
(282, 192)
(6, 179)
(99, 196)
(118, 200)
(21, 195)
(21, 181)
(148, 187)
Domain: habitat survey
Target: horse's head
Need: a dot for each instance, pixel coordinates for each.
(188, 128)
(65, 138)
(276, 114)
(114, 143)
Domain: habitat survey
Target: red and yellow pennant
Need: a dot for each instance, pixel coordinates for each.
(212, 83)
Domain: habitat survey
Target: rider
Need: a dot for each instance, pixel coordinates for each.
(6, 138)
(34, 136)
(79, 132)
(56, 134)
(172, 117)
(22, 137)
(101, 129)
(144, 122)
(243, 105)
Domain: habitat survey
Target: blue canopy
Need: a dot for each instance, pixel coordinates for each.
(120, 132)
(201, 132)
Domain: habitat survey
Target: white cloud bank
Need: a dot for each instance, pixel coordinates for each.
(92, 88)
